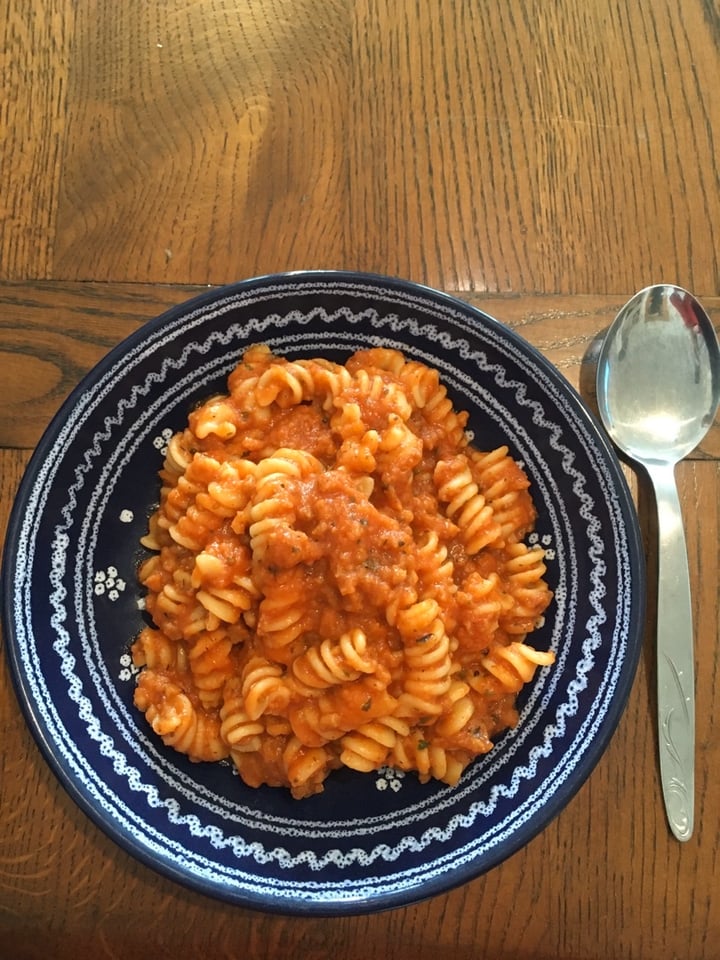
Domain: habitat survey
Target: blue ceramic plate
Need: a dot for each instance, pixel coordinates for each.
(71, 611)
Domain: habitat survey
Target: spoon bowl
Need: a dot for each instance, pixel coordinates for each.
(659, 375)
(658, 389)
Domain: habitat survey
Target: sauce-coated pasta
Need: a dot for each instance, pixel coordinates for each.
(337, 577)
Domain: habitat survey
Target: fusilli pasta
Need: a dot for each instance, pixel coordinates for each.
(337, 577)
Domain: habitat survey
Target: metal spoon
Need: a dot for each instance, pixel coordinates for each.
(658, 387)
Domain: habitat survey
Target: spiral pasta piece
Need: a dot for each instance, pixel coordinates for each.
(429, 760)
(155, 651)
(263, 687)
(459, 710)
(515, 664)
(272, 509)
(238, 730)
(465, 505)
(427, 660)
(281, 616)
(175, 719)
(524, 570)
(177, 459)
(357, 455)
(209, 664)
(306, 767)
(333, 662)
(430, 398)
(286, 384)
(217, 417)
(505, 487)
(368, 747)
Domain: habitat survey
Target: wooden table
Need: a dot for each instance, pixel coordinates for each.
(542, 160)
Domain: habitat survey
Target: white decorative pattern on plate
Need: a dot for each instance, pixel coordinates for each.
(365, 843)
(108, 583)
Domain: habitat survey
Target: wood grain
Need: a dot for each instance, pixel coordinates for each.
(604, 881)
(34, 64)
(505, 147)
(207, 141)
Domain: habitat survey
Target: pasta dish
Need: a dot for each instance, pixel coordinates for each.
(338, 576)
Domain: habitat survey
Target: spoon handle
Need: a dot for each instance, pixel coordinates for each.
(675, 658)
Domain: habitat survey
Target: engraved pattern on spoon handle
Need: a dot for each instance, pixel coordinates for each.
(675, 658)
